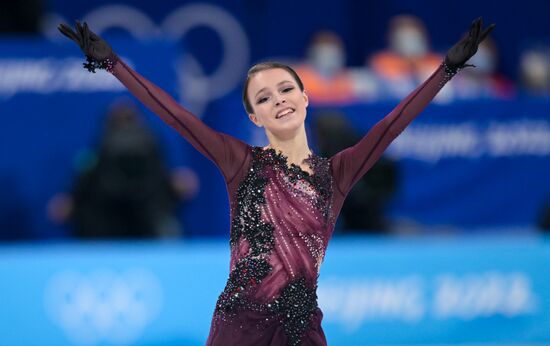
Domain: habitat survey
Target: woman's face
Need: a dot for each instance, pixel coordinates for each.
(278, 103)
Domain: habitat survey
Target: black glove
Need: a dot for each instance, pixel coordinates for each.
(464, 49)
(98, 52)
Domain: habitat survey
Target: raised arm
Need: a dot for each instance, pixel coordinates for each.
(225, 151)
(350, 164)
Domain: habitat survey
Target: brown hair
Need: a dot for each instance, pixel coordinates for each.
(262, 67)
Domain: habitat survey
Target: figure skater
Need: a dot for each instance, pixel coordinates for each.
(284, 199)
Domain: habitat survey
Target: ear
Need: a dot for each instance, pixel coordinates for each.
(255, 120)
(306, 98)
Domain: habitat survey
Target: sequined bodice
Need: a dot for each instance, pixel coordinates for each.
(278, 237)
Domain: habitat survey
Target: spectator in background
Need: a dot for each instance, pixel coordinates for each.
(408, 59)
(535, 72)
(483, 81)
(127, 191)
(365, 207)
(324, 72)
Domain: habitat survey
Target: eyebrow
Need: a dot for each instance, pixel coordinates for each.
(262, 89)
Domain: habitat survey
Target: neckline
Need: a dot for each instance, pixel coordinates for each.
(320, 177)
(283, 160)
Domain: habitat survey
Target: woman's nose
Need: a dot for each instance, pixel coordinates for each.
(279, 101)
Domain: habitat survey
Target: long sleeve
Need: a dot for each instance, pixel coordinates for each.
(350, 164)
(227, 152)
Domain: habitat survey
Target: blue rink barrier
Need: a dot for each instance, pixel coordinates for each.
(373, 291)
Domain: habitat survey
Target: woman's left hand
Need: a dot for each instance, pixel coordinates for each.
(464, 49)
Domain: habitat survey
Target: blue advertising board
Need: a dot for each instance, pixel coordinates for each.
(372, 291)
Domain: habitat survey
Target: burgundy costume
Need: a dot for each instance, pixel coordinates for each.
(282, 217)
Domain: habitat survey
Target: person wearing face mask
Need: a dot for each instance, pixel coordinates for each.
(408, 58)
(324, 72)
(284, 199)
(534, 70)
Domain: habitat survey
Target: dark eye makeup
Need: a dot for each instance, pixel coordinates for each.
(285, 90)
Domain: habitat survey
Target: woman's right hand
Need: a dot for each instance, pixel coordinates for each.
(91, 44)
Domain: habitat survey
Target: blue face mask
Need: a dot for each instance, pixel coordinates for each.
(327, 59)
(409, 43)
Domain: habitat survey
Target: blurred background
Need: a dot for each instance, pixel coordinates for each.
(114, 230)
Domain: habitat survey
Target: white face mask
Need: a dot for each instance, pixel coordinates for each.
(535, 69)
(409, 43)
(328, 59)
(483, 60)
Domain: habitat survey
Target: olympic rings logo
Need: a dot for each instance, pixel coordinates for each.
(197, 87)
(103, 306)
